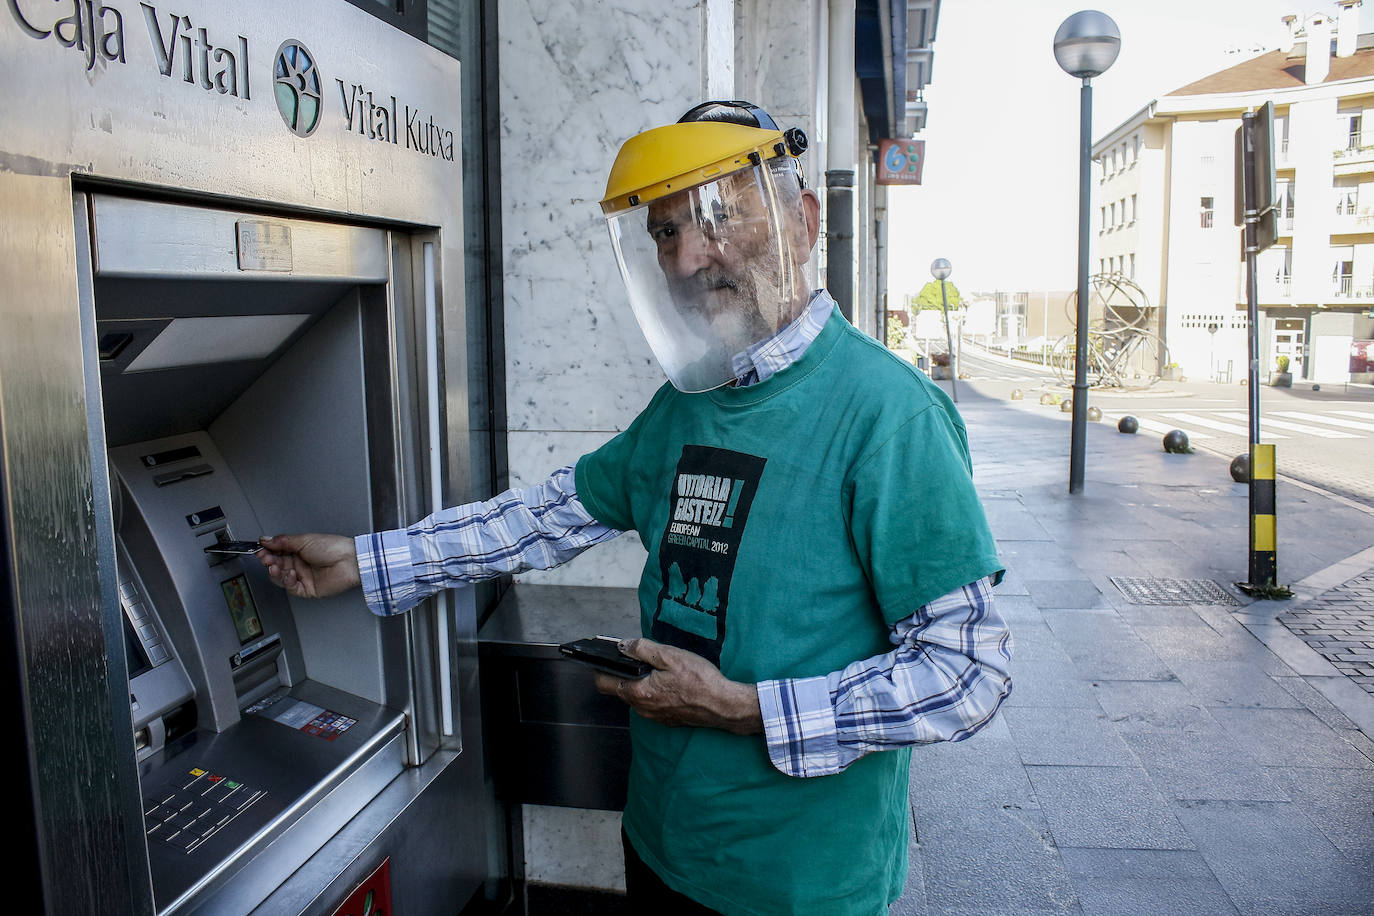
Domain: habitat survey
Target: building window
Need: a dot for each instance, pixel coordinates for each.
(1283, 270)
(1104, 219)
(1137, 148)
(1343, 274)
(1346, 200)
(1284, 193)
(1353, 138)
(1132, 208)
(1101, 266)
(1132, 265)
(1113, 222)
(1205, 210)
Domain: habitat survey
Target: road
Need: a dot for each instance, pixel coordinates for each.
(1322, 438)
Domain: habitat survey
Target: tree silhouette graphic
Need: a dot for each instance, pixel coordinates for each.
(709, 601)
(676, 587)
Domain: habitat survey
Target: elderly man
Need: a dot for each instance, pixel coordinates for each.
(817, 595)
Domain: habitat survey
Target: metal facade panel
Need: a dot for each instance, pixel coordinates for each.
(180, 102)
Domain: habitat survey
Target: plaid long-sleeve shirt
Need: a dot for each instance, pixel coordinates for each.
(942, 681)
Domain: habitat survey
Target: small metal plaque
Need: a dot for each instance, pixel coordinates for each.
(1149, 590)
(263, 245)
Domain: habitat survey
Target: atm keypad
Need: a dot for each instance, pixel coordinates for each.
(186, 813)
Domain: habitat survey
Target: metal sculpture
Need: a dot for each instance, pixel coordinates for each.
(1123, 349)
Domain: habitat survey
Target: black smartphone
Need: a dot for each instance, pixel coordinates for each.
(235, 548)
(603, 653)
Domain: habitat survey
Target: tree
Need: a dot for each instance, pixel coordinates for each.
(896, 332)
(929, 296)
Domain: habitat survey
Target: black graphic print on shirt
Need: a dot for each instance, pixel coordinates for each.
(711, 495)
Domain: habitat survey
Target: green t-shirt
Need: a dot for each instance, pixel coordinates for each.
(788, 525)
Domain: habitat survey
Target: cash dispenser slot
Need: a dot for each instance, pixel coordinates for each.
(256, 741)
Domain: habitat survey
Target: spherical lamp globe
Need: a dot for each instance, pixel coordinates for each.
(1087, 44)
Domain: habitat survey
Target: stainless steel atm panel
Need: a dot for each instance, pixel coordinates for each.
(202, 261)
(230, 398)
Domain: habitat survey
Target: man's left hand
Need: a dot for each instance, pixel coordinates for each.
(685, 689)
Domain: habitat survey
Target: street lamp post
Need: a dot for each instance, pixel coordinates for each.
(1085, 46)
(940, 269)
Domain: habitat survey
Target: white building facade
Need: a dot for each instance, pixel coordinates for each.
(1164, 205)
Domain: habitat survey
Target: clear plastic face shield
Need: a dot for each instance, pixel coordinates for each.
(714, 268)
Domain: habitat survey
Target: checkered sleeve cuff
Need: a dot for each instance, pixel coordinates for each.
(799, 726)
(387, 572)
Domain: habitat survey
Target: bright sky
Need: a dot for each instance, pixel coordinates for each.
(1000, 185)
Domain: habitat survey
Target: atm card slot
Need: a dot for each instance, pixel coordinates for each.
(158, 459)
(205, 517)
(248, 654)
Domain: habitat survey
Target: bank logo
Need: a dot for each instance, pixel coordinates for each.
(297, 86)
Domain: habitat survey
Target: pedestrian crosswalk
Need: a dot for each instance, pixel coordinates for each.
(1203, 423)
(1321, 432)
(1331, 421)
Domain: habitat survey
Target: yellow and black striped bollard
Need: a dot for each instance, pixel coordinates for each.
(1263, 529)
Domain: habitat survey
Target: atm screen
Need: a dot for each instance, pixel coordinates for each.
(134, 655)
(242, 608)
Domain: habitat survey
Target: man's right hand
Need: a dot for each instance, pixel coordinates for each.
(311, 565)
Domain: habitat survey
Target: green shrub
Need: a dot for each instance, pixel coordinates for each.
(896, 335)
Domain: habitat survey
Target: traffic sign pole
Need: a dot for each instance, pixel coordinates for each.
(1256, 185)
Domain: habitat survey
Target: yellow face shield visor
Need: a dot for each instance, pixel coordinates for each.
(708, 230)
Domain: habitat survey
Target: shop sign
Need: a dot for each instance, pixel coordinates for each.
(190, 52)
(900, 161)
(1362, 356)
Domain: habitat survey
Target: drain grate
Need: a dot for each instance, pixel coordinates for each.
(1148, 590)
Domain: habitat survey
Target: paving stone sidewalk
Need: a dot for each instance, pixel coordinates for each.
(1152, 759)
(1339, 624)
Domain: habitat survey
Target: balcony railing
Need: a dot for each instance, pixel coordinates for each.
(1345, 286)
(1355, 154)
(1273, 285)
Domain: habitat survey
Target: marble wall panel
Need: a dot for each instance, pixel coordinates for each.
(573, 847)
(779, 52)
(577, 78)
(615, 564)
(777, 65)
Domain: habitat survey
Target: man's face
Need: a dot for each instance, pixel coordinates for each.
(719, 251)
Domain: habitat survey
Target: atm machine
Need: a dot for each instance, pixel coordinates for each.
(226, 316)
